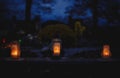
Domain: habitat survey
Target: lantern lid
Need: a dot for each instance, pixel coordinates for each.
(56, 40)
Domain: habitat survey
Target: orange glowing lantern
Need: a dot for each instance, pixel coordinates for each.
(56, 47)
(15, 50)
(106, 51)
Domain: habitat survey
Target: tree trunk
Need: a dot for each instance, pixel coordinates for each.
(28, 10)
(95, 13)
(94, 9)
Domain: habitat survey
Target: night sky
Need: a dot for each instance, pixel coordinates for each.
(49, 10)
(52, 10)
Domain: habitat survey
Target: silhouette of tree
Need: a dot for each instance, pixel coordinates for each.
(3, 10)
(110, 10)
(95, 13)
(79, 31)
(80, 7)
(37, 21)
(28, 10)
(70, 21)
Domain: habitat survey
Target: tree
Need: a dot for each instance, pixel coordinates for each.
(37, 21)
(79, 7)
(95, 13)
(79, 31)
(109, 10)
(65, 33)
(28, 10)
(3, 10)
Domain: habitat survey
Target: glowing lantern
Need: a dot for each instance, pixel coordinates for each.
(106, 51)
(56, 47)
(15, 50)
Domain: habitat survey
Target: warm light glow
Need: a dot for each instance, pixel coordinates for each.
(56, 49)
(15, 50)
(4, 40)
(106, 51)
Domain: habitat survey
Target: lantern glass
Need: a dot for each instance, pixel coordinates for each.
(106, 51)
(15, 50)
(56, 49)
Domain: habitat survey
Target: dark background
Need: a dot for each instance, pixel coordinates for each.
(94, 14)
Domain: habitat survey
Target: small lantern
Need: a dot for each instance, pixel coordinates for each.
(106, 51)
(15, 50)
(56, 47)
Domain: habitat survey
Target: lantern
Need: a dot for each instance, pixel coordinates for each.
(15, 50)
(106, 51)
(56, 47)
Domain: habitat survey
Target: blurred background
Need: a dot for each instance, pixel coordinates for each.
(82, 29)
